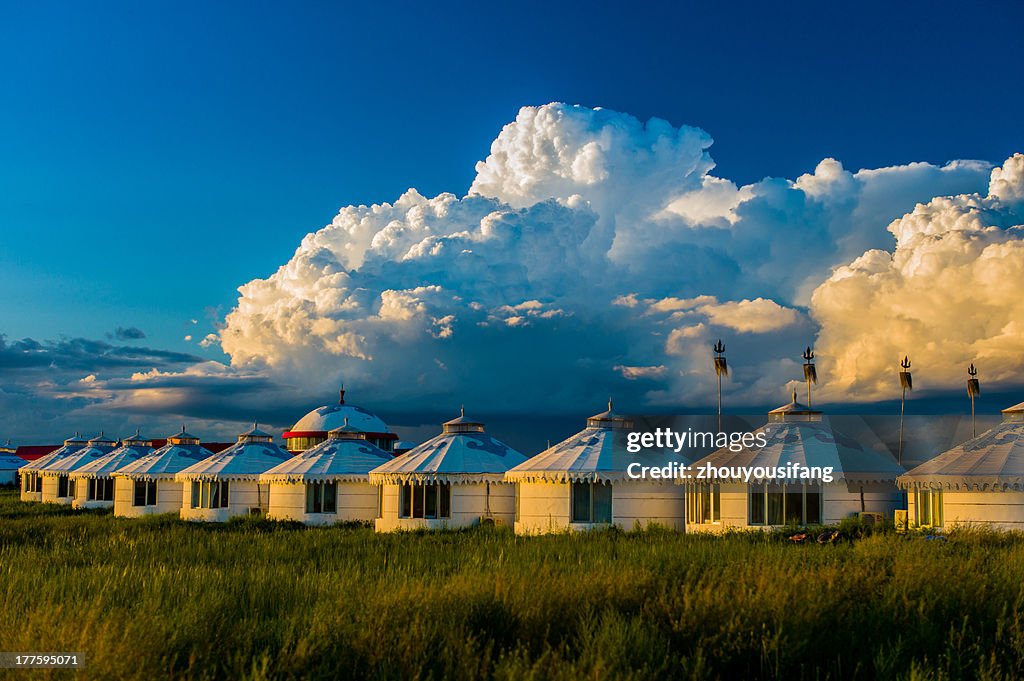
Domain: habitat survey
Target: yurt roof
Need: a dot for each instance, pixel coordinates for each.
(181, 451)
(992, 461)
(327, 418)
(595, 454)
(792, 409)
(812, 444)
(454, 456)
(97, 448)
(10, 461)
(339, 459)
(133, 450)
(71, 445)
(253, 454)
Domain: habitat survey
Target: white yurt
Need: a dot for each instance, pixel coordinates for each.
(456, 479)
(94, 482)
(32, 481)
(10, 463)
(328, 483)
(312, 429)
(980, 482)
(863, 477)
(227, 484)
(147, 486)
(58, 485)
(582, 483)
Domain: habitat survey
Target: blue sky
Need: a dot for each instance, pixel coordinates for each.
(200, 141)
(156, 156)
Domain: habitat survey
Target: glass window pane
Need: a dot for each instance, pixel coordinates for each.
(704, 504)
(310, 494)
(405, 492)
(139, 493)
(924, 508)
(813, 505)
(195, 493)
(62, 485)
(417, 501)
(151, 493)
(581, 502)
(330, 497)
(794, 504)
(224, 501)
(757, 504)
(430, 506)
(937, 508)
(444, 500)
(775, 505)
(602, 503)
(716, 503)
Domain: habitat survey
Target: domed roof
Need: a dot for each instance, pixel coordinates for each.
(327, 418)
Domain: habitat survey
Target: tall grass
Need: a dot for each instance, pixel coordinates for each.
(158, 598)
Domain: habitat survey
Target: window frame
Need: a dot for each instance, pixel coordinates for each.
(782, 495)
(591, 502)
(704, 504)
(413, 501)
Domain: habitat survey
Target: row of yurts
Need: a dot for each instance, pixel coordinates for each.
(343, 467)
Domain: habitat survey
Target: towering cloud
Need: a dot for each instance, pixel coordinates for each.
(594, 253)
(948, 295)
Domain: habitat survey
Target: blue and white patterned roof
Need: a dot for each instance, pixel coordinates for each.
(132, 450)
(326, 419)
(452, 457)
(342, 458)
(72, 445)
(97, 448)
(181, 451)
(254, 453)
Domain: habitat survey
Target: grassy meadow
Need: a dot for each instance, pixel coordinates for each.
(158, 598)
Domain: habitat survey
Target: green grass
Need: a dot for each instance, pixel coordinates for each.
(158, 598)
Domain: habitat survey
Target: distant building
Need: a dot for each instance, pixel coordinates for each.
(329, 482)
(312, 429)
(456, 479)
(980, 482)
(582, 483)
(9, 464)
(94, 482)
(227, 484)
(147, 485)
(863, 476)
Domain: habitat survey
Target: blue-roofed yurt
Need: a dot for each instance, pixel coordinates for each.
(147, 486)
(979, 483)
(456, 479)
(227, 484)
(10, 463)
(31, 477)
(329, 482)
(94, 482)
(582, 483)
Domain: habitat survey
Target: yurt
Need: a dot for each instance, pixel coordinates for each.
(147, 486)
(807, 473)
(58, 486)
(313, 428)
(94, 482)
(9, 464)
(328, 483)
(980, 482)
(582, 483)
(227, 484)
(32, 481)
(456, 479)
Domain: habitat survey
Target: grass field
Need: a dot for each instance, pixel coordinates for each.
(158, 598)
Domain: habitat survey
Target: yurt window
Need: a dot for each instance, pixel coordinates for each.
(210, 494)
(62, 486)
(929, 507)
(425, 501)
(101, 489)
(322, 497)
(778, 504)
(591, 502)
(704, 506)
(144, 493)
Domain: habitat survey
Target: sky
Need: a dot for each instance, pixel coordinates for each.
(158, 156)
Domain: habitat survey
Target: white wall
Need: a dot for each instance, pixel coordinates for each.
(993, 510)
(357, 501)
(81, 499)
(546, 506)
(243, 495)
(168, 498)
(29, 496)
(468, 504)
(49, 494)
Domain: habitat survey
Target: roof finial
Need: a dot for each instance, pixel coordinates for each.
(346, 422)
(794, 397)
(341, 394)
(609, 403)
(183, 427)
(462, 410)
